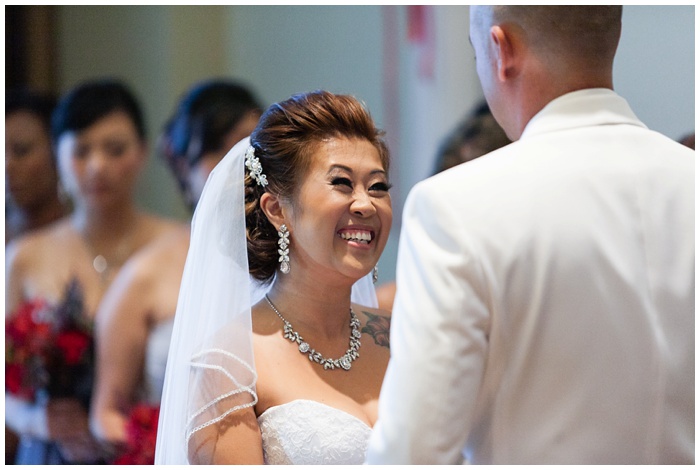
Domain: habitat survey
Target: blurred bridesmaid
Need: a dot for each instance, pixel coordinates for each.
(32, 198)
(56, 276)
(135, 320)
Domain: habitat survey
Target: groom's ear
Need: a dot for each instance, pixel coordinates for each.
(506, 47)
(274, 209)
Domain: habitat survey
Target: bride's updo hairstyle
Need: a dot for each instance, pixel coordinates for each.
(284, 140)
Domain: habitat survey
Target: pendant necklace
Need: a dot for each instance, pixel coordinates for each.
(101, 265)
(344, 362)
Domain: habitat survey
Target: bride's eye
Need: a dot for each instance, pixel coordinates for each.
(380, 187)
(341, 182)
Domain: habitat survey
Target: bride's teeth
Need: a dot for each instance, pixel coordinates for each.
(357, 236)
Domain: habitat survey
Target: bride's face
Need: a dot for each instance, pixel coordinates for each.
(341, 215)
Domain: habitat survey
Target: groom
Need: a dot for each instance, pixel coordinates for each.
(545, 304)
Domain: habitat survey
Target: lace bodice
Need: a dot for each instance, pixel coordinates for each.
(308, 432)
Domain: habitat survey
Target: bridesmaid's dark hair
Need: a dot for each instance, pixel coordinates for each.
(89, 102)
(204, 117)
(39, 104)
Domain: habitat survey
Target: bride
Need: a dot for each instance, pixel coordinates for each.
(278, 352)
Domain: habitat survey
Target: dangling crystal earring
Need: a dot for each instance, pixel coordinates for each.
(375, 274)
(283, 250)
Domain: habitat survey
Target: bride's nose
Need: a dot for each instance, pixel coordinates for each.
(362, 204)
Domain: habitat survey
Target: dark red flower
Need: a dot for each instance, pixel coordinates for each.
(22, 324)
(141, 429)
(73, 345)
(26, 336)
(13, 378)
(44, 343)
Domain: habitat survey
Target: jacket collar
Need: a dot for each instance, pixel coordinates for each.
(582, 108)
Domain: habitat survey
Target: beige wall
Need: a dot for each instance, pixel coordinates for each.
(159, 51)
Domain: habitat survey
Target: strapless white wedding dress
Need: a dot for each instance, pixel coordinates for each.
(305, 432)
(156, 358)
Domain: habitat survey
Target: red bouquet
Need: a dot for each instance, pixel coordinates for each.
(141, 430)
(49, 349)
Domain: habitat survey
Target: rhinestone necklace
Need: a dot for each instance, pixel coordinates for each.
(344, 362)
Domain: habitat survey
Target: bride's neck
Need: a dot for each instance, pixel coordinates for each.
(323, 308)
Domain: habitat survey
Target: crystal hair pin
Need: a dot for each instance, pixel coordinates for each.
(255, 167)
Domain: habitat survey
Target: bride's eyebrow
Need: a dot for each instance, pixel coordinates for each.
(349, 170)
(339, 167)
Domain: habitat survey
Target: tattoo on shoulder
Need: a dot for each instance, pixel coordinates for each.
(378, 328)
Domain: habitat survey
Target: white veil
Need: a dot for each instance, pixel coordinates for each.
(211, 371)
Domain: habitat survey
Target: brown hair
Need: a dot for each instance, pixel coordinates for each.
(284, 140)
(587, 32)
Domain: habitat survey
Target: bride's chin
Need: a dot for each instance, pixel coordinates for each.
(360, 273)
(355, 269)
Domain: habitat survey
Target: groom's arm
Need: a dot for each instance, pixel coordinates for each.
(438, 341)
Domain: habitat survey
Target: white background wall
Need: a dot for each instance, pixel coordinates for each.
(655, 66)
(363, 50)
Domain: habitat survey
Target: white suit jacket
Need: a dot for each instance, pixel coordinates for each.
(545, 303)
